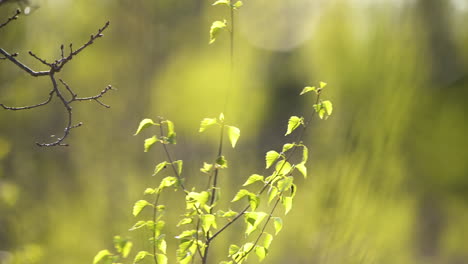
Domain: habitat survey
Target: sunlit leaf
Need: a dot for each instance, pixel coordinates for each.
(185, 221)
(285, 183)
(323, 84)
(283, 167)
(287, 147)
(234, 134)
(253, 178)
(101, 255)
(278, 224)
(150, 191)
(305, 154)
(308, 89)
(261, 252)
(144, 124)
(162, 259)
(207, 122)
(221, 162)
(122, 245)
(237, 4)
(253, 219)
(149, 142)
(206, 167)
(179, 164)
(138, 225)
(222, 2)
(208, 221)
(302, 169)
(159, 167)
(293, 123)
(139, 205)
(233, 249)
(170, 127)
(272, 194)
(287, 203)
(271, 156)
(215, 28)
(140, 256)
(267, 240)
(167, 182)
(328, 107)
(229, 214)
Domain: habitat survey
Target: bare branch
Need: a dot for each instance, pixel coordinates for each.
(55, 67)
(14, 17)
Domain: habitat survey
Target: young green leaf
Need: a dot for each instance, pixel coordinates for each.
(138, 225)
(170, 127)
(144, 124)
(160, 167)
(149, 142)
(272, 193)
(241, 194)
(185, 221)
(221, 117)
(287, 203)
(267, 240)
(287, 147)
(215, 28)
(139, 205)
(122, 245)
(308, 89)
(207, 122)
(253, 178)
(162, 259)
(261, 252)
(102, 255)
(293, 123)
(285, 184)
(302, 169)
(305, 154)
(222, 2)
(323, 84)
(208, 221)
(328, 107)
(237, 4)
(253, 219)
(271, 156)
(233, 249)
(278, 223)
(234, 134)
(229, 214)
(221, 163)
(283, 167)
(167, 182)
(150, 191)
(206, 167)
(141, 255)
(179, 164)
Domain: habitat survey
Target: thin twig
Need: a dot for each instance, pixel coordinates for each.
(14, 17)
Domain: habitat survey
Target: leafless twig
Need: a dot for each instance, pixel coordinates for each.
(14, 17)
(54, 68)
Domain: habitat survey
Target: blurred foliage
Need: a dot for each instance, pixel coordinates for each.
(389, 179)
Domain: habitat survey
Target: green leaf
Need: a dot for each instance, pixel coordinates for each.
(328, 107)
(221, 163)
(285, 184)
(234, 134)
(139, 205)
(302, 169)
(138, 225)
(159, 167)
(208, 221)
(233, 249)
(287, 203)
(305, 154)
(158, 227)
(308, 89)
(278, 223)
(215, 28)
(283, 167)
(252, 179)
(221, 117)
(149, 142)
(254, 200)
(150, 191)
(293, 123)
(185, 221)
(271, 156)
(323, 84)
(187, 234)
(229, 214)
(222, 2)
(241, 194)
(206, 167)
(141, 255)
(238, 4)
(272, 193)
(162, 259)
(171, 138)
(253, 219)
(122, 245)
(170, 127)
(179, 164)
(102, 255)
(261, 252)
(267, 241)
(207, 122)
(287, 147)
(167, 182)
(144, 124)
(198, 200)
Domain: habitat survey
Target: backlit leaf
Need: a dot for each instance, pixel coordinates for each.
(162, 259)
(287, 203)
(271, 156)
(149, 142)
(139, 205)
(293, 123)
(302, 169)
(308, 89)
(287, 147)
(222, 2)
(278, 224)
(234, 134)
(101, 255)
(159, 167)
(261, 252)
(140, 256)
(253, 178)
(144, 124)
(215, 28)
(267, 240)
(207, 122)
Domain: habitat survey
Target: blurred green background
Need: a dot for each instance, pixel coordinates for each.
(389, 173)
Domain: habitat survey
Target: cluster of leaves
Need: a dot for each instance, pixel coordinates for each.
(220, 25)
(202, 220)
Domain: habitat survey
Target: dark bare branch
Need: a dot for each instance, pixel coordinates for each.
(14, 17)
(12, 58)
(30, 106)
